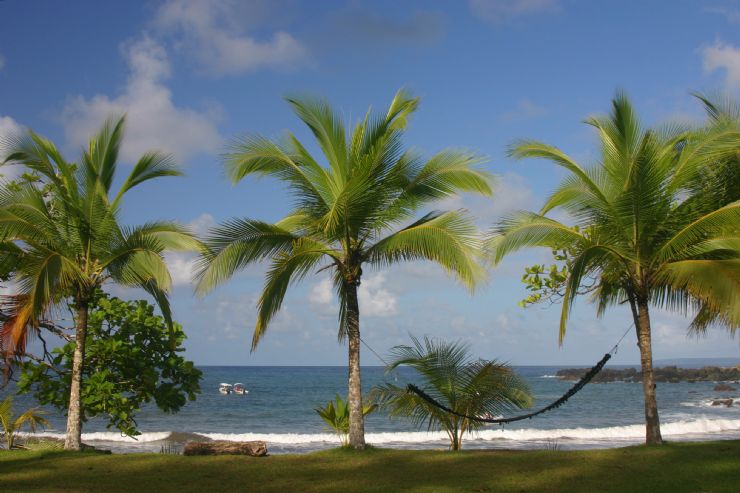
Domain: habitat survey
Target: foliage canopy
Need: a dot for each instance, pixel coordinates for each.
(130, 362)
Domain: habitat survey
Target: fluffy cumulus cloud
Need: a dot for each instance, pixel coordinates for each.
(210, 31)
(376, 299)
(153, 119)
(726, 57)
(8, 128)
(498, 11)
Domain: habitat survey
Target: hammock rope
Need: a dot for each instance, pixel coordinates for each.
(590, 374)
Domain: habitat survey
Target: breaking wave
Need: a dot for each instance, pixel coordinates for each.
(583, 435)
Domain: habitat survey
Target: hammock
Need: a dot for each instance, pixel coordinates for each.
(556, 404)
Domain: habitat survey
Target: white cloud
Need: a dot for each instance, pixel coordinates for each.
(510, 193)
(8, 128)
(202, 224)
(498, 11)
(182, 264)
(374, 297)
(209, 31)
(322, 293)
(154, 122)
(721, 56)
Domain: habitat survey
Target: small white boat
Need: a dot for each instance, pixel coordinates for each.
(225, 388)
(240, 389)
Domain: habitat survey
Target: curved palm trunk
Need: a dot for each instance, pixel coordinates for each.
(356, 418)
(652, 420)
(456, 438)
(73, 440)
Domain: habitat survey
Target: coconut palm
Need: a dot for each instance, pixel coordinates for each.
(451, 376)
(646, 231)
(12, 424)
(347, 214)
(68, 240)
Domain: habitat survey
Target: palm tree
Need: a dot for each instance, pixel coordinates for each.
(12, 424)
(647, 231)
(451, 376)
(346, 215)
(68, 241)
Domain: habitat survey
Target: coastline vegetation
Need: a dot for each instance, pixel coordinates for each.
(62, 241)
(654, 225)
(12, 424)
(671, 374)
(452, 376)
(672, 468)
(132, 357)
(360, 210)
(336, 416)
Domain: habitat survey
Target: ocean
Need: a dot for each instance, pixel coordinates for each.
(281, 401)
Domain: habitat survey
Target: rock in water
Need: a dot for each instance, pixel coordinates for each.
(722, 402)
(223, 447)
(722, 387)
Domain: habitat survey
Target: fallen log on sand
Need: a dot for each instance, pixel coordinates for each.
(223, 447)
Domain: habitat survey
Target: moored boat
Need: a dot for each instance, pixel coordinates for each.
(225, 388)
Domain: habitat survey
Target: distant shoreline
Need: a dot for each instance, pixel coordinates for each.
(665, 374)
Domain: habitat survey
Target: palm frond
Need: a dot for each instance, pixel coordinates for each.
(285, 268)
(528, 229)
(150, 166)
(449, 239)
(234, 245)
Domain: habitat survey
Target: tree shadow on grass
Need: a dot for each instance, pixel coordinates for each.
(688, 467)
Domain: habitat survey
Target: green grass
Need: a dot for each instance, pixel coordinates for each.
(710, 467)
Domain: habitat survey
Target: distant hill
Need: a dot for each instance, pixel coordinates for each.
(698, 362)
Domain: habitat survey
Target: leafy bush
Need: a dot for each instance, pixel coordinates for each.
(132, 359)
(336, 415)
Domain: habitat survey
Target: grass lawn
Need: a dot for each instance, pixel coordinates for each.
(709, 467)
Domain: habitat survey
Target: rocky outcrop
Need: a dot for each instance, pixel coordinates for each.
(722, 387)
(722, 402)
(223, 447)
(670, 374)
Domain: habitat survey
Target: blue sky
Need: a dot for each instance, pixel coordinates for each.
(192, 74)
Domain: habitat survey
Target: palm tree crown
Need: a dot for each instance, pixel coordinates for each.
(652, 227)
(348, 212)
(67, 233)
(449, 373)
(64, 239)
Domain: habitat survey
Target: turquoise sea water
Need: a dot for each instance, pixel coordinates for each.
(280, 409)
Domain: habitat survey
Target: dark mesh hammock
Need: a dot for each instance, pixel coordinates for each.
(590, 374)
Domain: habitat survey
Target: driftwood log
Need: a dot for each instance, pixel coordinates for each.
(223, 447)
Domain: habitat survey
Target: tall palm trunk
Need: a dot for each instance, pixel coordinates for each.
(356, 418)
(642, 326)
(74, 414)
